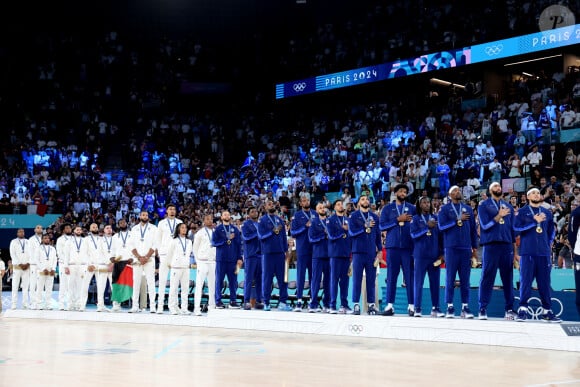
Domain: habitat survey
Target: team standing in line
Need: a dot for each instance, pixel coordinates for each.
(329, 248)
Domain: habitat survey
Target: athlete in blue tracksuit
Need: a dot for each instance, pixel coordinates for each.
(299, 226)
(428, 256)
(497, 236)
(339, 248)
(274, 245)
(367, 247)
(227, 241)
(252, 259)
(573, 227)
(457, 223)
(535, 225)
(318, 235)
(395, 220)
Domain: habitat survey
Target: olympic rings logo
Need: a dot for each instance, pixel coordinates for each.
(357, 329)
(493, 50)
(535, 309)
(299, 87)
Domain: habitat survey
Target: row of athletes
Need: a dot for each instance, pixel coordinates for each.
(417, 242)
(325, 247)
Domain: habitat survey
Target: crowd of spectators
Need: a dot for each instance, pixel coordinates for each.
(103, 134)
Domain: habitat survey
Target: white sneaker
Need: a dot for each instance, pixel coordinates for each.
(116, 308)
(197, 313)
(134, 310)
(173, 312)
(159, 310)
(184, 312)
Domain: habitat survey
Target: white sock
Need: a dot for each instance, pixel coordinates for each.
(389, 306)
(411, 307)
(449, 305)
(463, 305)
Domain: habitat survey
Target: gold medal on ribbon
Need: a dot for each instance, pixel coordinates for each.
(437, 263)
(539, 229)
(229, 242)
(343, 236)
(459, 222)
(276, 231)
(429, 233)
(368, 230)
(501, 221)
(401, 224)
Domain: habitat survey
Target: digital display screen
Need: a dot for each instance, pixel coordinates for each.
(525, 44)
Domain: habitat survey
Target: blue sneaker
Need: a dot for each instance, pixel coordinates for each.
(466, 312)
(356, 309)
(298, 307)
(550, 317)
(482, 314)
(284, 308)
(267, 307)
(450, 312)
(522, 315)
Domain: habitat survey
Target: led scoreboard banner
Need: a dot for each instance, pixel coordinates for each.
(525, 44)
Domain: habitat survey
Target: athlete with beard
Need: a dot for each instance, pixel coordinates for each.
(339, 248)
(457, 223)
(428, 255)
(536, 228)
(299, 226)
(497, 236)
(395, 220)
(143, 244)
(318, 235)
(228, 246)
(252, 260)
(366, 250)
(93, 241)
(120, 256)
(274, 245)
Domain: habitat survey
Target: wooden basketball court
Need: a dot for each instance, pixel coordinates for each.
(52, 348)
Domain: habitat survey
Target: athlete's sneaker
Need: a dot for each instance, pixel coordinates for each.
(267, 307)
(184, 312)
(356, 310)
(550, 317)
(411, 312)
(372, 310)
(450, 312)
(345, 310)
(247, 306)
(173, 312)
(522, 315)
(389, 311)
(417, 312)
(220, 305)
(436, 312)
(482, 314)
(298, 307)
(312, 310)
(197, 313)
(259, 306)
(466, 312)
(510, 315)
(333, 311)
(284, 308)
(234, 305)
